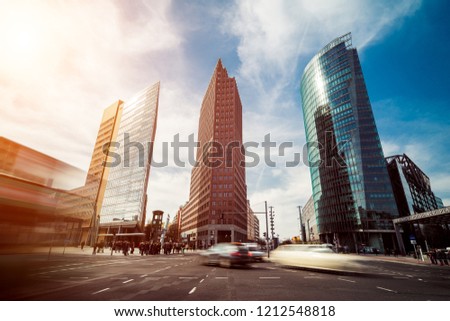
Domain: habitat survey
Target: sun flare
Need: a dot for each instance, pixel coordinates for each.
(26, 40)
(23, 35)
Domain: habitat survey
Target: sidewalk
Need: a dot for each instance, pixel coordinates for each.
(71, 250)
(398, 259)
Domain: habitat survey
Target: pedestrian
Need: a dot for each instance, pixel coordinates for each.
(444, 257)
(432, 255)
(141, 248)
(125, 248)
(440, 256)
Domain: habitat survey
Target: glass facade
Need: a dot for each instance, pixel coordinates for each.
(125, 195)
(353, 198)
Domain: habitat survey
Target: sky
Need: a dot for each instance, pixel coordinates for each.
(63, 62)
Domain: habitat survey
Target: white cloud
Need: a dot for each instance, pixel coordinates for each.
(391, 148)
(274, 35)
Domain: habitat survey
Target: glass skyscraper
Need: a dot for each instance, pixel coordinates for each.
(353, 199)
(125, 196)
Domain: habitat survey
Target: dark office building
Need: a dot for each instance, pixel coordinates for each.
(412, 189)
(413, 195)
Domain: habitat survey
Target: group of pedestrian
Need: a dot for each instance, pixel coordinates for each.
(170, 247)
(440, 257)
(125, 247)
(145, 248)
(148, 248)
(98, 247)
(389, 252)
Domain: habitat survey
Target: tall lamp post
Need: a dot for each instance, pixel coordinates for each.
(97, 226)
(302, 227)
(212, 238)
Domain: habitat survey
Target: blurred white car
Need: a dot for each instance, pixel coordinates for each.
(318, 257)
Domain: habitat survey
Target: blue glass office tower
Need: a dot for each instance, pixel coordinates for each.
(353, 199)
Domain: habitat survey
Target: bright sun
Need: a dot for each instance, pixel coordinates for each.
(22, 35)
(26, 40)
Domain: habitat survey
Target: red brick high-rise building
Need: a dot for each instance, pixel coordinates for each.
(217, 207)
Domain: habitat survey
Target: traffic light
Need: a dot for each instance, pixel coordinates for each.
(265, 235)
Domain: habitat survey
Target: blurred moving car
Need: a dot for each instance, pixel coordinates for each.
(317, 257)
(255, 252)
(227, 255)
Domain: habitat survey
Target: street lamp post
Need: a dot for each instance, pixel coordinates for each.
(302, 232)
(267, 231)
(97, 226)
(212, 238)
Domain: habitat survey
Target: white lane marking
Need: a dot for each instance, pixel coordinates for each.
(384, 289)
(105, 289)
(346, 280)
(127, 281)
(313, 277)
(144, 275)
(193, 290)
(408, 275)
(221, 277)
(153, 278)
(58, 266)
(202, 280)
(78, 268)
(79, 277)
(156, 271)
(269, 277)
(188, 277)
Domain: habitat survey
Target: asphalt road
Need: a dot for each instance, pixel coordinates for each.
(179, 277)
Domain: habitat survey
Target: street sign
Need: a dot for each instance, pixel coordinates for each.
(413, 242)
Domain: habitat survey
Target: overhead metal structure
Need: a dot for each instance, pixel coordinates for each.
(439, 216)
